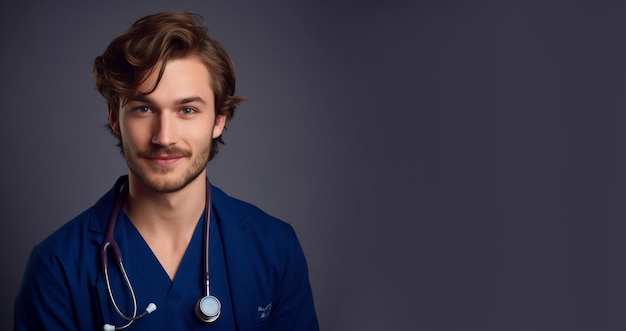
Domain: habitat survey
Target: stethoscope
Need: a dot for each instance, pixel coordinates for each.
(208, 308)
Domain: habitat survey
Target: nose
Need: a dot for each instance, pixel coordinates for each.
(165, 133)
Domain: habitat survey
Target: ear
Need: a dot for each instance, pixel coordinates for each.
(114, 121)
(218, 128)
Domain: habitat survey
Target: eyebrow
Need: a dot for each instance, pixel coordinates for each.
(182, 101)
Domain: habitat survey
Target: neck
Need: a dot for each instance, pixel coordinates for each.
(166, 221)
(173, 213)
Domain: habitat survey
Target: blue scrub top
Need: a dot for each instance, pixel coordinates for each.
(175, 300)
(257, 267)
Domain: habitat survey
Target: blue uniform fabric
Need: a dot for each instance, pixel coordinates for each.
(258, 271)
(175, 300)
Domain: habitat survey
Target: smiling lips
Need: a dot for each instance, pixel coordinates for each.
(164, 157)
(164, 161)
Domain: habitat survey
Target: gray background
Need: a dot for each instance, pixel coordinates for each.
(448, 165)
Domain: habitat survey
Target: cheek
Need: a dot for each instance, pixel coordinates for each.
(133, 135)
(200, 138)
(199, 131)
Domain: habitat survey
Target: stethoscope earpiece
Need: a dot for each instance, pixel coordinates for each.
(208, 309)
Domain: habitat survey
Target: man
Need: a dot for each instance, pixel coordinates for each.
(195, 258)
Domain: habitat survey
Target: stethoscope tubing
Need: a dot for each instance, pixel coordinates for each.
(109, 243)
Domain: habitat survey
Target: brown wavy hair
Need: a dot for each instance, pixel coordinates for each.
(150, 42)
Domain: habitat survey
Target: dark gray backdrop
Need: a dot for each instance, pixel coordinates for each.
(448, 165)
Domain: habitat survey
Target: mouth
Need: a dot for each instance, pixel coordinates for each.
(164, 157)
(164, 160)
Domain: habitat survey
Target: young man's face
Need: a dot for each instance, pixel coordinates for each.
(166, 135)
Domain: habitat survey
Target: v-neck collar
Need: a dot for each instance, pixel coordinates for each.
(146, 263)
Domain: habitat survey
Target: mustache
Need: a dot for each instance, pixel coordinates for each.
(164, 152)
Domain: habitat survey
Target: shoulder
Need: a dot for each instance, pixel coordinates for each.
(63, 256)
(64, 269)
(83, 232)
(235, 212)
(68, 241)
(245, 226)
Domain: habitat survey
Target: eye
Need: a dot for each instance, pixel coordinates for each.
(143, 109)
(187, 111)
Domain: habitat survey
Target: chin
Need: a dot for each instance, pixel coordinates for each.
(167, 183)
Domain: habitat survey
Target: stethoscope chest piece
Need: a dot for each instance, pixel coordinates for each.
(208, 309)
